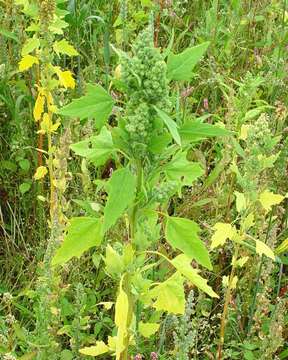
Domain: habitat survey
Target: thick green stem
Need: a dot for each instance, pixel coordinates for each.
(127, 284)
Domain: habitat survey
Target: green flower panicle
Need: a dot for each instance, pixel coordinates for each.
(146, 84)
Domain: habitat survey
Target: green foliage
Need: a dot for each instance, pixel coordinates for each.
(82, 234)
(96, 104)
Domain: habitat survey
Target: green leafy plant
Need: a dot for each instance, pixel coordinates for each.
(153, 167)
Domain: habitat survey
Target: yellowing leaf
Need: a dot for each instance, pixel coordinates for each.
(241, 262)
(268, 199)
(39, 106)
(240, 201)
(27, 62)
(262, 248)
(248, 222)
(234, 282)
(183, 264)
(121, 319)
(99, 349)
(148, 329)
(30, 45)
(41, 171)
(65, 77)
(282, 247)
(107, 304)
(244, 132)
(223, 232)
(170, 295)
(63, 47)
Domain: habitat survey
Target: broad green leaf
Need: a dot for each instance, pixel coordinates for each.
(195, 130)
(30, 45)
(182, 234)
(121, 319)
(63, 47)
(122, 186)
(8, 34)
(159, 142)
(169, 295)
(222, 233)
(240, 201)
(183, 264)
(171, 125)
(268, 199)
(180, 66)
(182, 170)
(82, 234)
(148, 329)
(97, 149)
(24, 187)
(262, 248)
(97, 103)
(99, 349)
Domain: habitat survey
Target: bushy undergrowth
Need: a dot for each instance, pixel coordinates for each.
(143, 168)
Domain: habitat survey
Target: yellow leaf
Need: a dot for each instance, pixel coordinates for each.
(248, 221)
(268, 199)
(240, 201)
(244, 132)
(39, 106)
(262, 248)
(234, 282)
(41, 171)
(107, 304)
(240, 262)
(112, 343)
(99, 349)
(117, 72)
(148, 329)
(121, 319)
(27, 61)
(282, 247)
(65, 77)
(223, 232)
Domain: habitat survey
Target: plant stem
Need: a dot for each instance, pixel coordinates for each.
(259, 272)
(226, 305)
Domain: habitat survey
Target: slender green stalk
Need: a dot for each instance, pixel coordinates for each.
(226, 305)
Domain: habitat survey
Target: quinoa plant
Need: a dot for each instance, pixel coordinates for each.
(150, 151)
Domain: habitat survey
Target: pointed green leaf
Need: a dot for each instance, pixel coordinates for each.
(180, 66)
(182, 170)
(183, 264)
(195, 130)
(97, 149)
(171, 125)
(182, 234)
(122, 186)
(97, 103)
(82, 234)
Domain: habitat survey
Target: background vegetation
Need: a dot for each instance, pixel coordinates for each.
(230, 117)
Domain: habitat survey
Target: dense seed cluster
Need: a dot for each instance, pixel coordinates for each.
(164, 191)
(144, 76)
